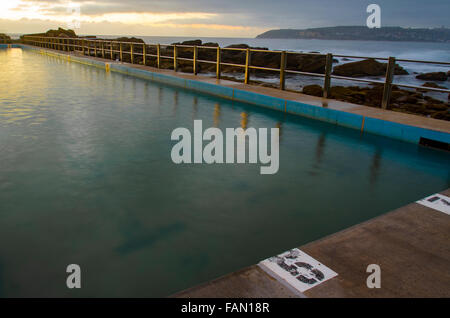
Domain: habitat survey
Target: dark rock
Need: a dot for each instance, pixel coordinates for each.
(440, 106)
(238, 46)
(433, 76)
(430, 84)
(189, 42)
(314, 90)
(444, 115)
(369, 67)
(127, 39)
(396, 94)
(60, 32)
(306, 63)
(401, 100)
(406, 99)
(433, 85)
(187, 69)
(211, 44)
(5, 38)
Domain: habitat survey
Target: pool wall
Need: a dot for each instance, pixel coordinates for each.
(365, 124)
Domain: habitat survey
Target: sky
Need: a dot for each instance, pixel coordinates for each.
(215, 18)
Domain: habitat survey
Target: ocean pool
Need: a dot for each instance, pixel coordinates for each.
(86, 177)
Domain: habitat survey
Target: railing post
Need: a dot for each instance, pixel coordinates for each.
(95, 48)
(327, 79)
(103, 49)
(195, 66)
(144, 54)
(218, 60)
(158, 55)
(175, 55)
(131, 53)
(388, 83)
(82, 46)
(282, 69)
(247, 66)
(111, 50)
(120, 52)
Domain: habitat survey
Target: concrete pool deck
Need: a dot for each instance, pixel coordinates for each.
(410, 244)
(401, 126)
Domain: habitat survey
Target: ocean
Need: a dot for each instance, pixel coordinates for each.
(426, 51)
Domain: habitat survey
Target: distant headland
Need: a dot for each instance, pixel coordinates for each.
(362, 33)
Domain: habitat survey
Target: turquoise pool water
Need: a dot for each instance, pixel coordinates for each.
(86, 177)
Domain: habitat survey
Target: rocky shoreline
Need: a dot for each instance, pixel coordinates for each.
(5, 39)
(402, 100)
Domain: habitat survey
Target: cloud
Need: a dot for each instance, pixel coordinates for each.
(222, 18)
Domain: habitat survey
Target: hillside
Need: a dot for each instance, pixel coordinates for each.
(362, 33)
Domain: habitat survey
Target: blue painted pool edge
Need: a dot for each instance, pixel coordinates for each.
(365, 124)
(5, 46)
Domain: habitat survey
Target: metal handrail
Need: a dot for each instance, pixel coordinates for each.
(109, 49)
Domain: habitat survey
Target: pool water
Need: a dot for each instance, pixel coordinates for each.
(86, 177)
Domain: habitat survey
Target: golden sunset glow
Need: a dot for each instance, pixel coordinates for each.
(26, 14)
(17, 9)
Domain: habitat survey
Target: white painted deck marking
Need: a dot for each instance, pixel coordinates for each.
(438, 202)
(297, 269)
